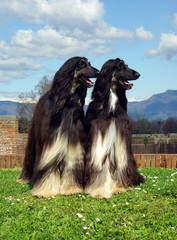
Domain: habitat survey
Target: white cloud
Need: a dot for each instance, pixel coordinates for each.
(44, 44)
(8, 76)
(142, 34)
(20, 64)
(47, 43)
(63, 29)
(100, 50)
(137, 99)
(167, 46)
(9, 96)
(103, 30)
(69, 13)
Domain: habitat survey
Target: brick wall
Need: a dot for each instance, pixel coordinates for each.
(142, 160)
(11, 160)
(8, 134)
(156, 160)
(12, 148)
(12, 143)
(21, 142)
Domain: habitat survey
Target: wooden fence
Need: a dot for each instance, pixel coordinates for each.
(156, 160)
(142, 160)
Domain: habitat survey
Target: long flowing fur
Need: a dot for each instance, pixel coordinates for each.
(54, 160)
(110, 164)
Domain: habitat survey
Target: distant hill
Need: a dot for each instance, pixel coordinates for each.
(8, 108)
(159, 106)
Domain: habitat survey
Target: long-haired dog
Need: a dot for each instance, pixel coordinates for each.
(54, 159)
(110, 164)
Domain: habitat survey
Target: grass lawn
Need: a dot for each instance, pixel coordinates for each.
(149, 211)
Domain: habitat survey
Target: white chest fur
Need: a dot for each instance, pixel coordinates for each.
(112, 101)
(111, 146)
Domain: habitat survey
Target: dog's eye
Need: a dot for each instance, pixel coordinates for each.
(122, 66)
(82, 63)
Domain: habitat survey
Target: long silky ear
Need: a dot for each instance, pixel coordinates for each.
(103, 82)
(62, 83)
(64, 76)
(82, 91)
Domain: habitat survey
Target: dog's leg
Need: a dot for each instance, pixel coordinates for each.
(100, 182)
(72, 176)
(46, 178)
(98, 179)
(119, 159)
(108, 160)
(48, 185)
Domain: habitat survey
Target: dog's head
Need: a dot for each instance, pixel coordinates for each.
(115, 74)
(121, 75)
(84, 71)
(75, 72)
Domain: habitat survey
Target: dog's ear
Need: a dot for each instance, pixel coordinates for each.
(117, 63)
(62, 82)
(104, 80)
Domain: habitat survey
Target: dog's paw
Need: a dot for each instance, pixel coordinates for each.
(98, 193)
(22, 181)
(120, 190)
(103, 195)
(71, 190)
(42, 193)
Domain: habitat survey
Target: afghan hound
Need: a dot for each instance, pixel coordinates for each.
(110, 164)
(54, 158)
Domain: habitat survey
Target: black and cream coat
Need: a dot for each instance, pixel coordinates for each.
(110, 164)
(54, 159)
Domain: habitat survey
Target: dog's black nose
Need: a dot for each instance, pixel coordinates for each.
(97, 72)
(137, 75)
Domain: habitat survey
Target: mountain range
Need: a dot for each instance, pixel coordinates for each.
(158, 107)
(8, 108)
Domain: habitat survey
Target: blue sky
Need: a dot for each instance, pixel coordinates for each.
(37, 37)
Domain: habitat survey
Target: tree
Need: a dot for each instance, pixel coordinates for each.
(27, 102)
(43, 86)
(156, 126)
(141, 125)
(170, 126)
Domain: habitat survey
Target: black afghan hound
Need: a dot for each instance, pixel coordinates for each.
(54, 159)
(110, 164)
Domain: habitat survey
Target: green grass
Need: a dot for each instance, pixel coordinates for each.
(147, 212)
